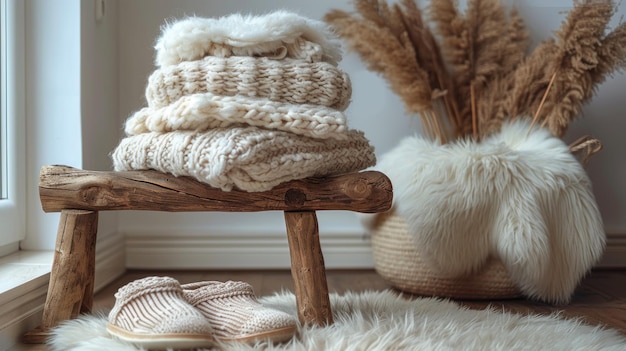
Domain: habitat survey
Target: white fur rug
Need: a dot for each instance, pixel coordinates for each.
(387, 321)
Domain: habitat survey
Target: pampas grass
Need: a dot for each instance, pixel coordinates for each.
(476, 72)
(574, 59)
(386, 51)
(391, 41)
(611, 54)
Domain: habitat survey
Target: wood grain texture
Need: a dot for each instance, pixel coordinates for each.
(73, 268)
(62, 187)
(70, 291)
(307, 268)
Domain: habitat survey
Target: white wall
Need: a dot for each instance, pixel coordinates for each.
(374, 109)
(71, 109)
(53, 115)
(99, 110)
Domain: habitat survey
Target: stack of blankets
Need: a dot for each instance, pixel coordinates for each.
(245, 102)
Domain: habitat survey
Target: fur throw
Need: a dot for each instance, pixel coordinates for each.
(249, 158)
(288, 80)
(278, 34)
(201, 112)
(519, 196)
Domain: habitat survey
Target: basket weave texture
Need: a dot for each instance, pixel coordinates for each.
(398, 262)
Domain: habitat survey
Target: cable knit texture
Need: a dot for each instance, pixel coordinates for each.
(201, 112)
(290, 81)
(279, 34)
(235, 314)
(156, 306)
(249, 158)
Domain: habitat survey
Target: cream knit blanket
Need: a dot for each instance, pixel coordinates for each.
(249, 158)
(288, 80)
(201, 112)
(278, 34)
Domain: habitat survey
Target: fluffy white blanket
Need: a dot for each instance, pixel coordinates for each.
(277, 34)
(383, 321)
(519, 196)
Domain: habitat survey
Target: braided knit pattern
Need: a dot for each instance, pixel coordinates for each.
(156, 305)
(201, 112)
(249, 158)
(291, 81)
(233, 310)
(278, 35)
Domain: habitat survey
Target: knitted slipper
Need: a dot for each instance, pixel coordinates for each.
(151, 312)
(236, 315)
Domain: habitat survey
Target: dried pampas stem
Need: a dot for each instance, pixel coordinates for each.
(427, 127)
(543, 100)
(474, 117)
(429, 57)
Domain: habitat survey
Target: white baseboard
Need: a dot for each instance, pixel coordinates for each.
(24, 311)
(615, 254)
(270, 251)
(110, 260)
(228, 251)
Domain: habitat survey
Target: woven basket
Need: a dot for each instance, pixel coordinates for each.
(398, 262)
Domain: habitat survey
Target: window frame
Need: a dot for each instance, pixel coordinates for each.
(13, 129)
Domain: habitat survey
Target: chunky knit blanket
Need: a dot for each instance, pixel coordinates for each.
(207, 111)
(278, 35)
(249, 158)
(288, 80)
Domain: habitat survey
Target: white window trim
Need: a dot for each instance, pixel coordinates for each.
(22, 293)
(13, 208)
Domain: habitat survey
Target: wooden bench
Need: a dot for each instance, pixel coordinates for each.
(80, 194)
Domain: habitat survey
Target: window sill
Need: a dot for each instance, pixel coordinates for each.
(25, 276)
(22, 267)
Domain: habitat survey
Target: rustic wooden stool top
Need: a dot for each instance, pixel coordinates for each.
(80, 194)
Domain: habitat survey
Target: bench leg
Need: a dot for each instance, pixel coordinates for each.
(307, 268)
(70, 291)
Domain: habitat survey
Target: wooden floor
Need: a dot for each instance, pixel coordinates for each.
(600, 299)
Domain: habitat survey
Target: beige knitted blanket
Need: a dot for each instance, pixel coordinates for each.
(249, 158)
(278, 34)
(287, 80)
(206, 111)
